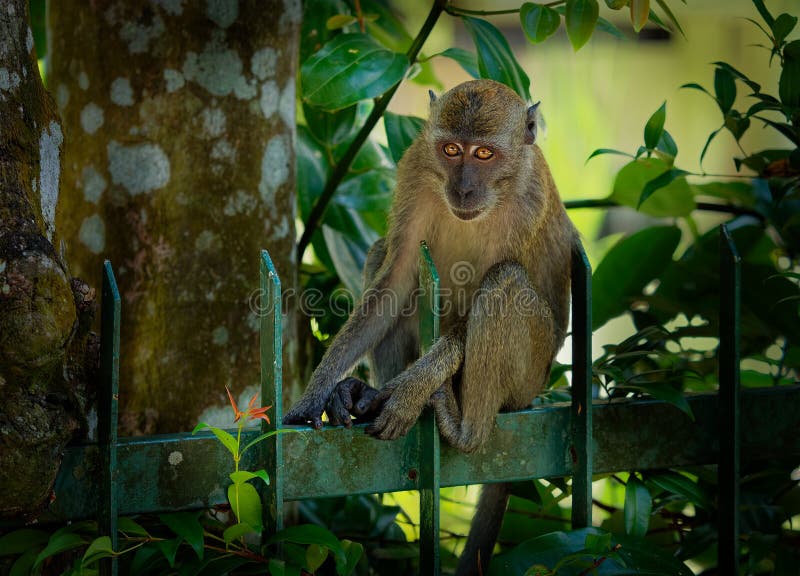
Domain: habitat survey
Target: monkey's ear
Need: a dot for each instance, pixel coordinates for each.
(531, 121)
(432, 94)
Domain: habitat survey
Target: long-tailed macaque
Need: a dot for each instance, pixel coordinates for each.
(476, 187)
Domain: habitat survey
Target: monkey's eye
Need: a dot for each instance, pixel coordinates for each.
(483, 153)
(451, 150)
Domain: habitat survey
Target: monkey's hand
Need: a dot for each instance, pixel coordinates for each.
(351, 396)
(398, 416)
(307, 411)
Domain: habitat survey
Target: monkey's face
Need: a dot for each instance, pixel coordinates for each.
(477, 132)
(471, 168)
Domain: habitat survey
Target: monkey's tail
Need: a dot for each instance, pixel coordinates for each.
(483, 532)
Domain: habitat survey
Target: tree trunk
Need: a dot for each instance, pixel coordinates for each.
(42, 339)
(179, 167)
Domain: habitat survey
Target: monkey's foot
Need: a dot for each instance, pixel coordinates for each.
(394, 421)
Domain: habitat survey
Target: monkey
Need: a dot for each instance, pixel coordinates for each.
(476, 187)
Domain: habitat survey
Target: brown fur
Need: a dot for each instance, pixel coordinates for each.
(518, 245)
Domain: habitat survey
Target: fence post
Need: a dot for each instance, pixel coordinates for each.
(429, 473)
(581, 410)
(269, 311)
(729, 431)
(107, 415)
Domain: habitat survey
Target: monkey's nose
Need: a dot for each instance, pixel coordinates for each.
(464, 194)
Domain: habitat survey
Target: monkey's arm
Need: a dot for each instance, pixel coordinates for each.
(370, 322)
(404, 397)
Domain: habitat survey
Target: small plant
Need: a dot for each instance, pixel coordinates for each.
(242, 495)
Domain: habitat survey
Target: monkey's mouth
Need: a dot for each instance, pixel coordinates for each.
(466, 215)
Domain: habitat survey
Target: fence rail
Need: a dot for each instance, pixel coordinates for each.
(181, 471)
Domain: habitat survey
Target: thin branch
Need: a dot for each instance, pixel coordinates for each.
(456, 11)
(705, 206)
(340, 170)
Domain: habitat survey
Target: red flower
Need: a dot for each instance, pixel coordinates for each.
(252, 413)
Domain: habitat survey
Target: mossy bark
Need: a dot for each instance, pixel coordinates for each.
(179, 167)
(43, 341)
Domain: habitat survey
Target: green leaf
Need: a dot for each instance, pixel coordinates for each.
(466, 59)
(580, 17)
(786, 129)
(227, 440)
(271, 433)
(640, 10)
(538, 22)
(616, 4)
(311, 534)
(725, 89)
(696, 86)
(759, 4)
(682, 486)
(664, 392)
(348, 257)
(315, 556)
(667, 145)
(330, 128)
(246, 504)
(314, 32)
(349, 68)
(169, 548)
(338, 21)
(789, 85)
(655, 127)
(244, 475)
(638, 505)
(736, 124)
(99, 548)
(635, 555)
(783, 26)
(659, 182)
(353, 552)
(597, 544)
(22, 540)
(674, 199)
(627, 268)
(754, 86)
(600, 151)
(187, 526)
(130, 527)
(59, 542)
(236, 531)
(400, 132)
(671, 16)
(495, 58)
(23, 566)
(605, 26)
(708, 143)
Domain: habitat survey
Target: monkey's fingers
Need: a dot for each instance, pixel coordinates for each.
(301, 417)
(348, 389)
(338, 414)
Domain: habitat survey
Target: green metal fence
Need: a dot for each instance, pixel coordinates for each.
(123, 476)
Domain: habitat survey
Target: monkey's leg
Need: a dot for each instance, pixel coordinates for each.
(509, 347)
(510, 344)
